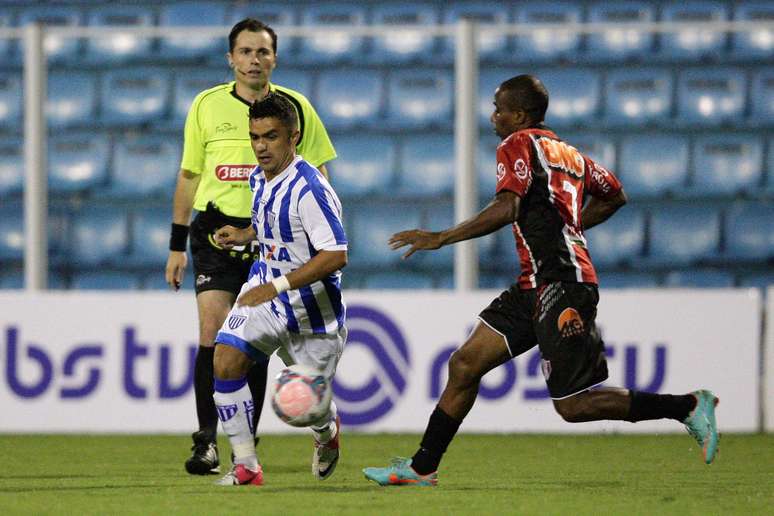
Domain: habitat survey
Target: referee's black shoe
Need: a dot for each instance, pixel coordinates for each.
(204, 460)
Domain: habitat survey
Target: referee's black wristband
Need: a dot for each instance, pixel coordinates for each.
(178, 239)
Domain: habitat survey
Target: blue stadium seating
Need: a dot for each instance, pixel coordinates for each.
(623, 42)
(5, 44)
(437, 217)
(366, 165)
(134, 96)
(275, 14)
(118, 46)
(420, 98)
(749, 231)
(12, 279)
(57, 48)
(11, 232)
(70, 99)
(694, 43)
(638, 96)
(491, 45)
(727, 164)
(427, 167)
(651, 165)
(189, 83)
(182, 14)
(99, 235)
(683, 234)
(762, 97)
(397, 280)
(11, 100)
(486, 165)
(488, 81)
(762, 280)
(600, 147)
(496, 251)
(145, 166)
(155, 280)
(575, 96)
(547, 44)
(404, 44)
(11, 166)
(105, 280)
(757, 43)
(699, 278)
(371, 228)
(297, 80)
(150, 238)
(620, 240)
(623, 280)
(710, 96)
(78, 162)
(331, 46)
(349, 98)
(58, 233)
(769, 181)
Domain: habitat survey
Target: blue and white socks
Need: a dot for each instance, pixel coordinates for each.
(234, 403)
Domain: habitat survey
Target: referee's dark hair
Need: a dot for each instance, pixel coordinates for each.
(252, 25)
(527, 93)
(275, 106)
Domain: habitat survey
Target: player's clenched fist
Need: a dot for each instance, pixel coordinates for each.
(229, 236)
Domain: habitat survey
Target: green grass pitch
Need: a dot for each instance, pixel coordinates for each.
(482, 474)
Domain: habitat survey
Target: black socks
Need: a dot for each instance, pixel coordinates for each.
(439, 433)
(204, 388)
(256, 380)
(645, 405)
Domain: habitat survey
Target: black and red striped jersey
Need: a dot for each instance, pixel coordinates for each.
(551, 177)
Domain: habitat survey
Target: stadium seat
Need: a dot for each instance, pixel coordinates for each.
(623, 42)
(749, 231)
(11, 232)
(599, 147)
(134, 96)
(298, 80)
(150, 237)
(762, 280)
(547, 44)
(331, 46)
(145, 166)
(699, 278)
(694, 43)
(105, 280)
(188, 83)
(500, 255)
(710, 96)
(372, 226)
(491, 45)
(769, 181)
(409, 42)
(12, 279)
(762, 97)
(277, 15)
(622, 280)
(486, 164)
(727, 164)
(652, 165)
(427, 166)
(11, 166)
(99, 235)
(575, 96)
(437, 217)
(183, 14)
(57, 48)
(5, 43)
(620, 240)
(397, 280)
(757, 43)
(11, 101)
(58, 229)
(420, 98)
(366, 165)
(71, 99)
(349, 98)
(78, 162)
(684, 233)
(488, 82)
(638, 96)
(118, 46)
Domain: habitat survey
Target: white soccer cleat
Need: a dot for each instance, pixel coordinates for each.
(326, 455)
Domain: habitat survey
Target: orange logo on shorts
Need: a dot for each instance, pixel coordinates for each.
(570, 323)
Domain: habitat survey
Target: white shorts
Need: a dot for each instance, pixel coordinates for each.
(258, 331)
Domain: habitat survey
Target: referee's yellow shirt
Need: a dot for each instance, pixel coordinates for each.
(217, 145)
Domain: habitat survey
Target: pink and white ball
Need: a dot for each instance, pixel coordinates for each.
(300, 395)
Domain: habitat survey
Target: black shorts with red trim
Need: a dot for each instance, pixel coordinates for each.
(561, 318)
(216, 268)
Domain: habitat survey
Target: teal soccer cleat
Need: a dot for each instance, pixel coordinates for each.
(400, 473)
(701, 424)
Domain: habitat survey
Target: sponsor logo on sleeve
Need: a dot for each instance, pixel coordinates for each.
(233, 172)
(520, 168)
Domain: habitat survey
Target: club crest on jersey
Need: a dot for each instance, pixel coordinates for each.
(520, 169)
(270, 218)
(233, 172)
(235, 321)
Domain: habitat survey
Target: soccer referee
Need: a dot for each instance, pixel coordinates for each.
(217, 160)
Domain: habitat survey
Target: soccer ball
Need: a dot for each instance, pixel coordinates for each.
(300, 395)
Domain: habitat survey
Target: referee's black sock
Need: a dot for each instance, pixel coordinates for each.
(204, 388)
(646, 405)
(439, 433)
(256, 380)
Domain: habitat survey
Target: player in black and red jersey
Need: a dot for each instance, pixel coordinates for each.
(541, 184)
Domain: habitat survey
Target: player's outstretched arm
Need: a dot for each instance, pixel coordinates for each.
(598, 210)
(322, 265)
(503, 210)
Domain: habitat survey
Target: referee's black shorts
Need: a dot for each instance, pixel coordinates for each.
(561, 318)
(216, 268)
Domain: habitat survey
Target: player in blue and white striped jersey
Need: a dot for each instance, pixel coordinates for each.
(292, 301)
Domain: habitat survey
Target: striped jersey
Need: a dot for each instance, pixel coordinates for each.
(551, 177)
(296, 215)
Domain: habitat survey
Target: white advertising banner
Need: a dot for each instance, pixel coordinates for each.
(118, 362)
